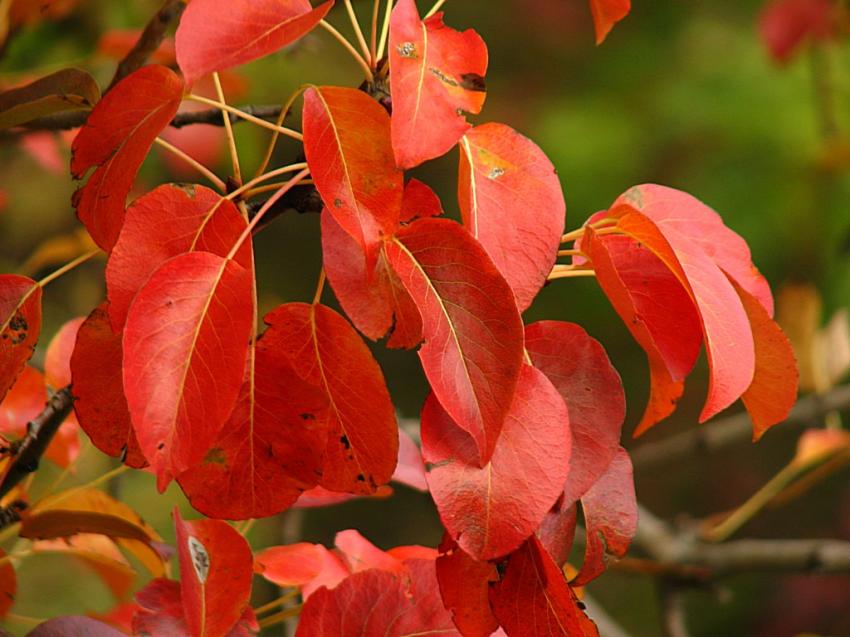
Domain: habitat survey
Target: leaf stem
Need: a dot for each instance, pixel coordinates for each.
(570, 253)
(291, 168)
(373, 40)
(266, 207)
(282, 616)
(280, 601)
(68, 267)
(206, 172)
(569, 273)
(276, 134)
(320, 287)
(339, 37)
(228, 129)
(578, 233)
(437, 6)
(385, 30)
(358, 32)
(246, 116)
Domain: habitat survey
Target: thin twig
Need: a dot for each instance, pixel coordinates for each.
(149, 40)
(194, 163)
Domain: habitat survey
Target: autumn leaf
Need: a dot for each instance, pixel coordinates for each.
(773, 391)
(57, 359)
(376, 301)
(580, 370)
(72, 625)
(419, 202)
(8, 584)
(489, 511)
(656, 309)
(785, 25)
(164, 223)
(100, 403)
(211, 39)
(610, 517)
(347, 143)
(548, 600)
(308, 566)
(215, 573)
(464, 587)
(473, 333)
(270, 450)
(359, 554)
(511, 201)
(65, 90)
(436, 75)
(115, 140)
(606, 13)
(20, 326)
(324, 349)
(185, 346)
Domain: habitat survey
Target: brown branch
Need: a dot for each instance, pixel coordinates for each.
(301, 199)
(734, 429)
(149, 40)
(40, 431)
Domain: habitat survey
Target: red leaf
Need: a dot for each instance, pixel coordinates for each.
(24, 402)
(20, 326)
(726, 328)
(359, 554)
(785, 25)
(8, 584)
(610, 517)
(557, 531)
(511, 201)
(464, 586)
(607, 13)
(185, 346)
(215, 573)
(74, 626)
(209, 39)
(677, 213)
(533, 598)
(161, 611)
(374, 301)
(578, 367)
(309, 566)
(115, 140)
(773, 392)
(347, 143)
(410, 470)
(364, 605)
(100, 404)
(436, 74)
(428, 616)
(325, 350)
(162, 224)
(57, 360)
(656, 309)
(269, 451)
(419, 201)
(489, 511)
(473, 333)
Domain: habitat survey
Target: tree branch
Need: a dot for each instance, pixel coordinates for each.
(149, 41)
(734, 429)
(40, 431)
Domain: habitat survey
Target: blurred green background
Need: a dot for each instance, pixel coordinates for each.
(682, 93)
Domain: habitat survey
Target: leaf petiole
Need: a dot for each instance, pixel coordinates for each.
(206, 172)
(246, 116)
(339, 37)
(68, 267)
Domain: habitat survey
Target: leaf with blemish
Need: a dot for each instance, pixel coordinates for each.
(216, 567)
(185, 346)
(511, 201)
(20, 326)
(436, 75)
(324, 349)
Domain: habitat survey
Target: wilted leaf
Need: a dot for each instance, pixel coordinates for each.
(511, 201)
(436, 74)
(115, 140)
(324, 349)
(215, 573)
(185, 346)
(20, 326)
(473, 333)
(100, 403)
(489, 511)
(347, 143)
(209, 39)
(65, 90)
